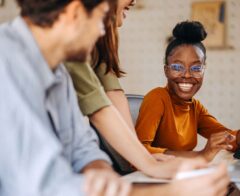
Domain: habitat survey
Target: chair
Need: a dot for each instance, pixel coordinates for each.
(121, 165)
(134, 102)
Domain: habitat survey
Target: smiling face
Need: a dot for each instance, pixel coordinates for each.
(123, 7)
(185, 86)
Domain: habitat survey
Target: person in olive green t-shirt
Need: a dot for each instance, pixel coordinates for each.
(112, 118)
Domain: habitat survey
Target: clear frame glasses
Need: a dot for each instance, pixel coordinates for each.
(179, 70)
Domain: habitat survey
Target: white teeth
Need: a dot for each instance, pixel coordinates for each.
(185, 86)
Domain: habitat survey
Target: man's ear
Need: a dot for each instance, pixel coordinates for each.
(72, 11)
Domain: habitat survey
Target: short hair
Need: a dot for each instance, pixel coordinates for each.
(45, 12)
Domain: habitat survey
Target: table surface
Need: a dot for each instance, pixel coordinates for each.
(148, 186)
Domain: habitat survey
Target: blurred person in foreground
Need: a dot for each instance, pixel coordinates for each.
(45, 143)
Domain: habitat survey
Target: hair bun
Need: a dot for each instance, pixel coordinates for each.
(190, 32)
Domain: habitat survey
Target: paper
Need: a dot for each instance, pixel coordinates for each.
(139, 177)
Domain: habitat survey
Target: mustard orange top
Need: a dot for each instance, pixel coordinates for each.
(165, 122)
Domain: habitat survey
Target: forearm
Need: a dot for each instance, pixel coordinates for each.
(153, 190)
(207, 155)
(119, 100)
(112, 126)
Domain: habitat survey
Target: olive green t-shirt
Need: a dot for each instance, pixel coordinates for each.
(109, 81)
(90, 84)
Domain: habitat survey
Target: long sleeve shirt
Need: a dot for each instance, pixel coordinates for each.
(167, 123)
(44, 139)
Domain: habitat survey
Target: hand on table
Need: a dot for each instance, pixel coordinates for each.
(217, 142)
(212, 184)
(168, 169)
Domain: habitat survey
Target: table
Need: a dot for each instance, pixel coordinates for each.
(157, 190)
(149, 187)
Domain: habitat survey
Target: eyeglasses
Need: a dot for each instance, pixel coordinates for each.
(179, 70)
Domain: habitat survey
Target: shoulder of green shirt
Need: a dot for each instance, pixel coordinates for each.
(90, 93)
(108, 80)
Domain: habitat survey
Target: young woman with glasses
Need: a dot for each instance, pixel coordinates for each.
(170, 118)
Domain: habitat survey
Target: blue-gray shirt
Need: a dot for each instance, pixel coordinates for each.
(44, 139)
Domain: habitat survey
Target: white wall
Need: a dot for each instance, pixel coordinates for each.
(142, 51)
(142, 48)
(8, 11)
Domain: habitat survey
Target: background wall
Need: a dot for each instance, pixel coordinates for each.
(8, 11)
(143, 40)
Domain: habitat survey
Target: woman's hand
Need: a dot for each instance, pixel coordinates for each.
(212, 184)
(168, 169)
(217, 142)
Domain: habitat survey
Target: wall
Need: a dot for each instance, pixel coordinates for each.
(143, 40)
(142, 47)
(8, 11)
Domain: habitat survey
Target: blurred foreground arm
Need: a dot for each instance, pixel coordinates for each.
(30, 155)
(213, 184)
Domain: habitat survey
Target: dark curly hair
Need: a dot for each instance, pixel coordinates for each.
(45, 12)
(187, 32)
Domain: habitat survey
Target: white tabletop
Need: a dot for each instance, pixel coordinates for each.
(139, 177)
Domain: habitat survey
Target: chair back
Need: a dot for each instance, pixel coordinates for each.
(134, 102)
